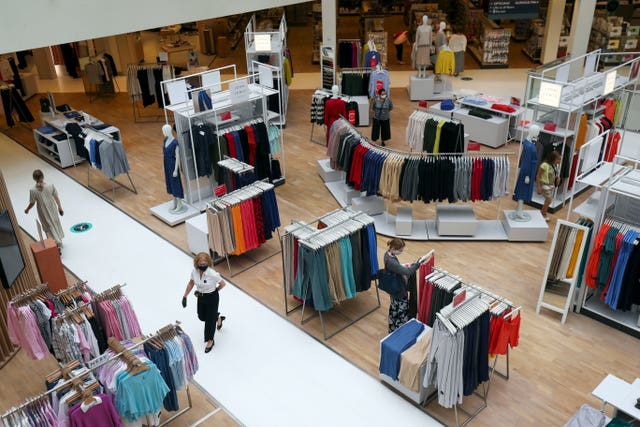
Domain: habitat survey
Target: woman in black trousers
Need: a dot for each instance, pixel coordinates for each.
(208, 283)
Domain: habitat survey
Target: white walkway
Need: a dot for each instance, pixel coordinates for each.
(263, 369)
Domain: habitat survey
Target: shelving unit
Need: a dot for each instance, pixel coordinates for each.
(270, 44)
(492, 49)
(59, 151)
(244, 104)
(553, 96)
(493, 132)
(613, 35)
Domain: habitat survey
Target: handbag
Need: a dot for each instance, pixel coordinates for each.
(390, 282)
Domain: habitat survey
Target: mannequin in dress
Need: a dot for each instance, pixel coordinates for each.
(333, 109)
(527, 174)
(423, 47)
(171, 156)
(441, 37)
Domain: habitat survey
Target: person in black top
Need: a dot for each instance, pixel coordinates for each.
(399, 307)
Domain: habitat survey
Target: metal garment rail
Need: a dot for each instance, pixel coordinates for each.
(352, 216)
(483, 291)
(92, 369)
(242, 194)
(138, 117)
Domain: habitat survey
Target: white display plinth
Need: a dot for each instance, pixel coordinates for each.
(534, 230)
(327, 173)
(363, 110)
(198, 234)
(404, 222)
(493, 132)
(426, 88)
(453, 220)
(162, 212)
(371, 205)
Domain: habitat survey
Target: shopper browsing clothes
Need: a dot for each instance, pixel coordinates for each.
(49, 208)
(399, 307)
(381, 107)
(547, 179)
(208, 283)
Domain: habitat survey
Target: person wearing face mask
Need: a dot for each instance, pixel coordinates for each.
(381, 107)
(48, 206)
(399, 307)
(208, 283)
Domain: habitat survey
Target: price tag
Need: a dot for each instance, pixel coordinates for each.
(239, 91)
(220, 190)
(459, 298)
(550, 94)
(372, 63)
(98, 360)
(610, 82)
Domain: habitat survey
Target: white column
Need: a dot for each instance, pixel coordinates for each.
(552, 30)
(583, 11)
(329, 16)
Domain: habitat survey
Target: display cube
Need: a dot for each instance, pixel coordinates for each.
(452, 220)
(404, 221)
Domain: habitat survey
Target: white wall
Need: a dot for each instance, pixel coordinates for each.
(30, 24)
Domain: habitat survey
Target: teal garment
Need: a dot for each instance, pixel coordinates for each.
(606, 257)
(585, 254)
(312, 275)
(346, 268)
(274, 139)
(140, 394)
(617, 422)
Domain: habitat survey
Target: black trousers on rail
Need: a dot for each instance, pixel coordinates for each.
(208, 313)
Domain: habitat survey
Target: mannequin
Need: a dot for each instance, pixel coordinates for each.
(441, 37)
(527, 174)
(371, 53)
(171, 155)
(333, 109)
(423, 47)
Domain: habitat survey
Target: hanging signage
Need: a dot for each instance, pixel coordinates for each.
(263, 42)
(211, 80)
(239, 91)
(550, 94)
(266, 76)
(610, 82)
(513, 9)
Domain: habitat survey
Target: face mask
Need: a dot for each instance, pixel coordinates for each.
(383, 96)
(203, 267)
(399, 252)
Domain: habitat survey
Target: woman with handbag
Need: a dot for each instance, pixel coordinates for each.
(399, 307)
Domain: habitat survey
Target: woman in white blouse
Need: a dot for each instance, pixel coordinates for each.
(208, 283)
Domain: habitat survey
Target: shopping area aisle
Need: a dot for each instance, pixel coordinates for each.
(263, 369)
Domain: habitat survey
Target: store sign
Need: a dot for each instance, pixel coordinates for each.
(513, 9)
(239, 91)
(550, 94)
(211, 80)
(263, 42)
(590, 64)
(610, 82)
(177, 91)
(266, 76)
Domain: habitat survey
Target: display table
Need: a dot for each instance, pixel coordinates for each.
(513, 119)
(493, 132)
(427, 88)
(178, 55)
(49, 264)
(197, 234)
(534, 230)
(404, 221)
(619, 394)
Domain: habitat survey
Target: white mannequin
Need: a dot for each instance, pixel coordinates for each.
(423, 45)
(177, 206)
(335, 91)
(520, 214)
(441, 37)
(371, 44)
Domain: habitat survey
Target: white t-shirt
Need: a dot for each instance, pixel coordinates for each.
(208, 282)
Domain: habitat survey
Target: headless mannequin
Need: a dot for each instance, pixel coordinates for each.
(441, 37)
(335, 91)
(423, 45)
(177, 206)
(371, 44)
(520, 214)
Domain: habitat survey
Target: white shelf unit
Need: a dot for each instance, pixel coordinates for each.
(561, 93)
(255, 47)
(61, 152)
(620, 200)
(199, 190)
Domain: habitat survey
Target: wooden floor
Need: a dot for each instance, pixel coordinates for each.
(554, 368)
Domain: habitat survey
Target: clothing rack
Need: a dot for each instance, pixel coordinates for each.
(503, 304)
(15, 114)
(101, 361)
(469, 310)
(235, 165)
(339, 223)
(109, 88)
(138, 117)
(238, 196)
(323, 91)
(114, 181)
